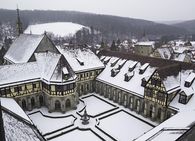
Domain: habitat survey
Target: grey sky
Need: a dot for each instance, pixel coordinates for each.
(156, 10)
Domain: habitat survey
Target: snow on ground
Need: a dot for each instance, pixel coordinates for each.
(46, 124)
(96, 106)
(77, 135)
(123, 127)
(121, 124)
(57, 28)
(16, 130)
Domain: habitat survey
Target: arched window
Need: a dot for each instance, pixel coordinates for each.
(57, 105)
(68, 103)
(41, 100)
(151, 111)
(24, 104)
(32, 102)
(159, 114)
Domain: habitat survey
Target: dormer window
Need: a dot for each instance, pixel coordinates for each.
(81, 62)
(132, 66)
(144, 82)
(113, 63)
(189, 80)
(121, 64)
(128, 76)
(143, 68)
(185, 96)
(65, 73)
(106, 60)
(114, 72)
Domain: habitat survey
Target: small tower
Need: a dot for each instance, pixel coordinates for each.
(2, 132)
(18, 23)
(85, 118)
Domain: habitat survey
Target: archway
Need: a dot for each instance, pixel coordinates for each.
(159, 114)
(23, 104)
(41, 100)
(151, 111)
(32, 102)
(57, 105)
(68, 103)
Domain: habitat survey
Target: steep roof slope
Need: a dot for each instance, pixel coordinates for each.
(22, 48)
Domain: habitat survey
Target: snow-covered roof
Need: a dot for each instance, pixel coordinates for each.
(190, 78)
(47, 63)
(90, 60)
(11, 105)
(165, 53)
(182, 120)
(180, 57)
(45, 68)
(18, 73)
(23, 48)
(187, 90)
(57, 28)
(180, 50)
(146, 44)
(17, 130)
(134, 85)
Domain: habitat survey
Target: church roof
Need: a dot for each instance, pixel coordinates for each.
(23, 48)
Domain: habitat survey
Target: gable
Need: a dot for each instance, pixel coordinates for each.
(46, 45)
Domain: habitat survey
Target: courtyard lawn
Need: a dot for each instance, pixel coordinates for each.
(47, 124)
(123, 127)
(95, 105)
(78, 135)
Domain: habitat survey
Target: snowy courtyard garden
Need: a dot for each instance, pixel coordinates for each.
(108, 121)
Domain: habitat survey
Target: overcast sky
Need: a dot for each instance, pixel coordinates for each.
(156, 10)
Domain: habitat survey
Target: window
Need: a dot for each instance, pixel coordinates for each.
(148, 92)
(65, 87)
(7, 91)
(17, 89)
(71, 86)
(2, 92)
(161, 96)
(182, 99)
(34, 86)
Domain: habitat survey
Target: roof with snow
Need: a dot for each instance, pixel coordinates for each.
(11, 105)
(133, 85)
(45, 68)
(168, 70)
(23, 48)
(17, 125)
(60, 29)
(165, 53)
(146, 43)
(81, 60)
